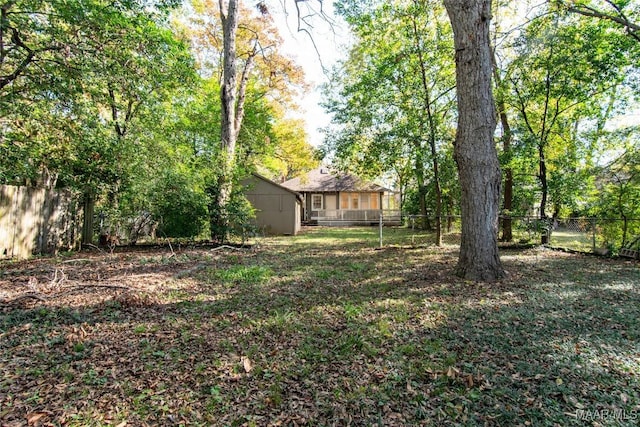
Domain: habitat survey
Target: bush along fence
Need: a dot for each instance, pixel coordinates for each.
(604, 236)
(38, 221)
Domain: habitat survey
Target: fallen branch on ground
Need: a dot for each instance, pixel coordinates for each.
(24, 296)
(94, 247)
(227, 247)
(64, 291)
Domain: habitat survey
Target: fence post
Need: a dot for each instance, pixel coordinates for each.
(380, 229)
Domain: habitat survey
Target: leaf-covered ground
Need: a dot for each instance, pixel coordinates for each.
(321, 329)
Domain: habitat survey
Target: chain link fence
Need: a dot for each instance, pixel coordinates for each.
(419, 230)
(606, 236)
(601, 235)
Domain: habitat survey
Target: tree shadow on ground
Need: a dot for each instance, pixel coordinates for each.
(336, 336)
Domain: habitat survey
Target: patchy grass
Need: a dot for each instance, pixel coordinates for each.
(572, 240)
(318, 329)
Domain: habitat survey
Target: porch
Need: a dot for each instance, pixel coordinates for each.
(343, 217)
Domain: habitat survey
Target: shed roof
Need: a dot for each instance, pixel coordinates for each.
(323, 180)
(275, 184)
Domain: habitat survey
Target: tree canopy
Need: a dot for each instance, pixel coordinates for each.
(120, 101)
(562, 73)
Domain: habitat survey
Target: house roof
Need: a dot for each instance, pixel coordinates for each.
(322, 180)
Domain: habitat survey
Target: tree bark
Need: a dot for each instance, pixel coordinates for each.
(89, 203)
(544, 183)
(475, 151)
(221, 192)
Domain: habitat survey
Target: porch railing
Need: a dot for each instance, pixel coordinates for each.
(355, 215)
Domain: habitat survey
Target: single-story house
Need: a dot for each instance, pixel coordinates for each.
(340, 199)
(278, 208)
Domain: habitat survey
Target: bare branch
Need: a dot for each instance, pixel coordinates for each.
(618, 17)
(17, 41)
(305, 24)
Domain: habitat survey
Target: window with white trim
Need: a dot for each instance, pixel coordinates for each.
(316, 202)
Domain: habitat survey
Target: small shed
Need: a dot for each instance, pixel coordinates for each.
(277, 208)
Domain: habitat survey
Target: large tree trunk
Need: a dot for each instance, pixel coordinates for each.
(221, 191)
(475, 151)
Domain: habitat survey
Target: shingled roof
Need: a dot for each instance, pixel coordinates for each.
(322, 180)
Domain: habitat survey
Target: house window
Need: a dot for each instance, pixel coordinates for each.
(360, 201)
(355, 197)
(374, 201)
(316, 202)
(364, 200)
(344, 200)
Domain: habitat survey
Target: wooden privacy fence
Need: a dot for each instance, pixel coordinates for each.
(37, 221)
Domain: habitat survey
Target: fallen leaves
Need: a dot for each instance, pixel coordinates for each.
(246, 364)
(34, 418)
(318, 334)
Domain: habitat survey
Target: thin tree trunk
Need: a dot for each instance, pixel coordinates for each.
(542, 143)
(621, 210)
(436, 178)
(424, 222)
(449, 214)
(507, 202)
(544, 184)
(507, 135)
(431, 134)
(475, 151)
(89, 203)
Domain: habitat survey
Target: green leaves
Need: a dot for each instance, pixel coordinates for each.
(568, 77)
(95, 66)
(393, 100)
(256, 335)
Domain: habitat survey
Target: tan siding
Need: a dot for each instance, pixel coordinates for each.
(277, 209)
